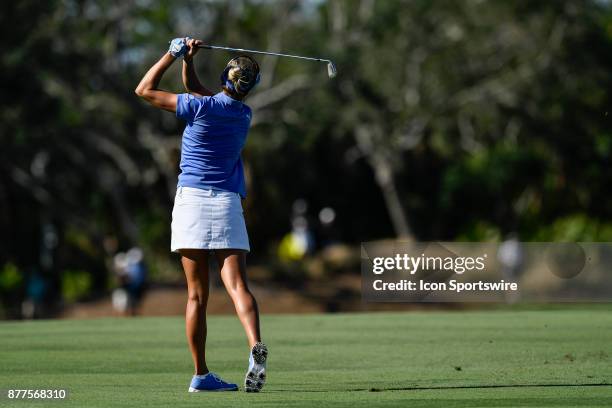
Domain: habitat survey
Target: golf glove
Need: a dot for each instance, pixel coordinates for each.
(178, 46)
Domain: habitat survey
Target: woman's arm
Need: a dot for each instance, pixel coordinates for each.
(190, 78)
(147, 88)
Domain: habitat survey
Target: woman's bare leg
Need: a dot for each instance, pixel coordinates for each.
(195, 264)
(232, 263)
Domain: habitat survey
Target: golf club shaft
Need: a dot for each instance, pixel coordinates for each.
(216, 47)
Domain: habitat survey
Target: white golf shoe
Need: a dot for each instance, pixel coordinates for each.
(256, 374)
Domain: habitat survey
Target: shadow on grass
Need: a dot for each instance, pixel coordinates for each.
(458, 387)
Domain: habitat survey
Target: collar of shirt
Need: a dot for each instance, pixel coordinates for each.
(228, 99)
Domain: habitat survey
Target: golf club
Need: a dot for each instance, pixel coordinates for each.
(331, 68)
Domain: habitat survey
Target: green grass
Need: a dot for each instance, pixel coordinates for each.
(501, 358)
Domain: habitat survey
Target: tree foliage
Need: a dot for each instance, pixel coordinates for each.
(448, 120)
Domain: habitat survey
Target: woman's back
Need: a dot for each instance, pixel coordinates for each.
(215, 134)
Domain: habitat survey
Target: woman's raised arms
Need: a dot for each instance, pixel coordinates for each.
(148, 86)
(190, 78)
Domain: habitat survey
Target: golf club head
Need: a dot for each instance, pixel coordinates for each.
(331, 70)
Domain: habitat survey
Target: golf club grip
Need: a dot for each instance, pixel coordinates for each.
(208, 47)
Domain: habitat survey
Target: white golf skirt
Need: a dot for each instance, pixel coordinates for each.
(208, 219)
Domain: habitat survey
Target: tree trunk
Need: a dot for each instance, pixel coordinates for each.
(383, 174)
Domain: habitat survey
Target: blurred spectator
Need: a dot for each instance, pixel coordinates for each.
(328, 233)
(510, 255)
(36, 288)
(36, 304)
(299, 242)
(131, 273)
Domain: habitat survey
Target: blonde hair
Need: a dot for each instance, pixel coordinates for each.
(242, 72)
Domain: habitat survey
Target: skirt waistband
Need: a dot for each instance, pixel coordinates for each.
(200, 192)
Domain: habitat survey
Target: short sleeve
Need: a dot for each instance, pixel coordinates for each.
(187, 106)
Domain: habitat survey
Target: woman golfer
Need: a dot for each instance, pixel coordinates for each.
(207, 218)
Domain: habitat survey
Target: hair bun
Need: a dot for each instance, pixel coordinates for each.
(243, 73)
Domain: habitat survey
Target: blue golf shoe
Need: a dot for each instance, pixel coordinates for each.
(210, 382)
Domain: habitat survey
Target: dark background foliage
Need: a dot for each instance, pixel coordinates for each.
(448, 120)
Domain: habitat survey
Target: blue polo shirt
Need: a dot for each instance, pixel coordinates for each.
(216, 131)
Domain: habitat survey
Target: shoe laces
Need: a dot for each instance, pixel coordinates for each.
(216, 377)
